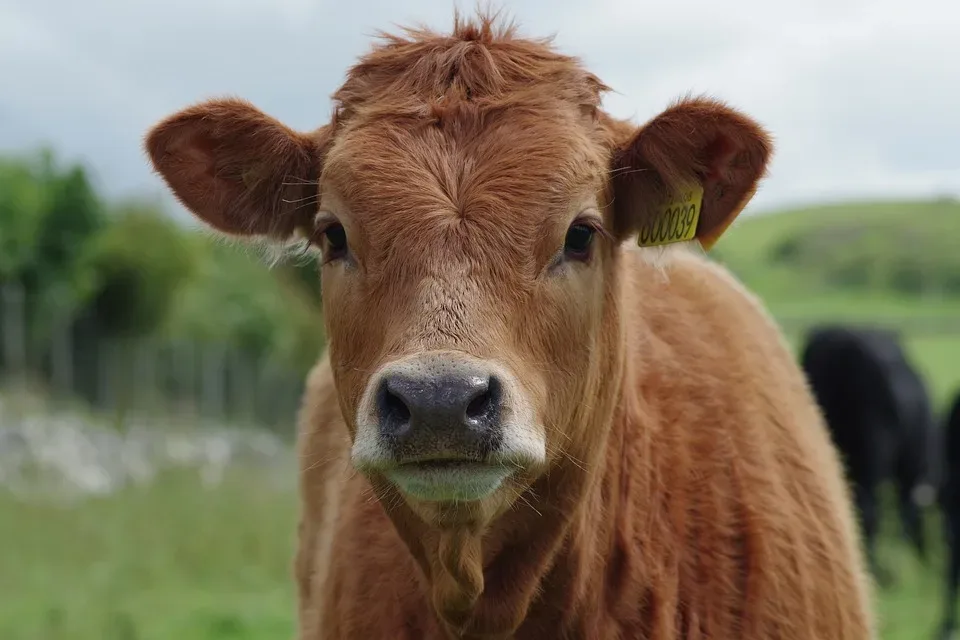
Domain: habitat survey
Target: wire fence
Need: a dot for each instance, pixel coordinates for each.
(181, 380)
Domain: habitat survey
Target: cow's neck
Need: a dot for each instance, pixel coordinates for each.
(482, 585)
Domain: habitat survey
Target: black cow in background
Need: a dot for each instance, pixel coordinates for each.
(878, 410)
(949, 498)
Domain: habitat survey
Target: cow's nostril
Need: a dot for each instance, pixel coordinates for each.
(394, 412)
(396, 409)
(486, 402)
(479, 406)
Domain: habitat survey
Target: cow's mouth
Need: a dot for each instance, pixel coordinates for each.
(448, 480)
(440, 463)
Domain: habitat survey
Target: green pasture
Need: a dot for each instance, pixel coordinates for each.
(177, 560)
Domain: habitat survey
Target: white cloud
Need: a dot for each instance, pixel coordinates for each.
(861, 95)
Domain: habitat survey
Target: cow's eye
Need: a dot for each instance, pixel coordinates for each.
(336, 242)
(579, 239)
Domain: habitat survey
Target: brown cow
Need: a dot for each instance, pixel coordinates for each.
(524, 425)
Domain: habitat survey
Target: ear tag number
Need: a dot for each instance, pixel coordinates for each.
(675, 221)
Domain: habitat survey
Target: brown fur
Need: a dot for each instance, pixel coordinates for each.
(689, 490)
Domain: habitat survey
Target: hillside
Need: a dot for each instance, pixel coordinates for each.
(895, 263)
(851, 260)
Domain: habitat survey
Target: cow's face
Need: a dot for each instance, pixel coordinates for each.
(470, 254)
(464, 281)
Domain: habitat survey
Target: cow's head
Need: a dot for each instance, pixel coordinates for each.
(471, 204)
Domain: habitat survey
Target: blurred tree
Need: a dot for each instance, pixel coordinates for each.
(236, 299)
(137, 263)
(304, 271)
(71, 215)
(47, 216)
(21, 217)
(96, 276)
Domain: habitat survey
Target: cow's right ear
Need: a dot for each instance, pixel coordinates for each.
(237, 169)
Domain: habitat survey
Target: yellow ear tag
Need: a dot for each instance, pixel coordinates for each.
(675, 221)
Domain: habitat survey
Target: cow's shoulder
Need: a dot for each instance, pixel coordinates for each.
(688, 309)
(322, 457)
(724, 418)
(320, 424)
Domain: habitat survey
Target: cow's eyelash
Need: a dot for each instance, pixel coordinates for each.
(595, 224)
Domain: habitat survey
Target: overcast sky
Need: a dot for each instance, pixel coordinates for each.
(862, 96)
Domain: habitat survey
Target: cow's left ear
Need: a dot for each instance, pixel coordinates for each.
(688, 173)
(237, 169)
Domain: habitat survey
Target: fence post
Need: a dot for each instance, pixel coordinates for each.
(14, 329)
(145, 374)
(185, 368)
(243, 388)
(212, 386)
(105, 393)
(61, 353)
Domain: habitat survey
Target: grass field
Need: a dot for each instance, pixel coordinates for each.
(171, 560)
(175, 559)
(748, 245)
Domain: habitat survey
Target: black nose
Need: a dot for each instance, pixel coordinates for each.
(431, 415)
